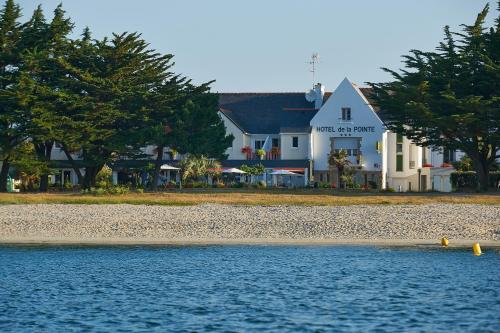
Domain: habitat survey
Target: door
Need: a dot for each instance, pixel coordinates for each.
(423, 183)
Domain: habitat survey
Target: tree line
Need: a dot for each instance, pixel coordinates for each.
(450, 97)
(98, 99)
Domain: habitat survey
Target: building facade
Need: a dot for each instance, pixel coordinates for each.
(306, 128)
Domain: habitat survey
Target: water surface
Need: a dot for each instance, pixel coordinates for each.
(248, 288)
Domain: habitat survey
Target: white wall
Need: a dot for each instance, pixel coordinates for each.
(364, 124)
(240, 139)
(58, 154)
(290, 153)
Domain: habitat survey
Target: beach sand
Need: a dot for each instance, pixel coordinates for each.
(385, 225)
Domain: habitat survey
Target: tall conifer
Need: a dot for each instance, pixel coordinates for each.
(11, 133)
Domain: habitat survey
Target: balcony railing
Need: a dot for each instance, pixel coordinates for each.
(268, 156)
(274, 154)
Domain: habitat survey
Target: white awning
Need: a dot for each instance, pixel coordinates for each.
(168, 167)
(232, 170)
(284, 173)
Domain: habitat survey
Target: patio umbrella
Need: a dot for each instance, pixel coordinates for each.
(233, 170)
(284, 173)
(168, 167)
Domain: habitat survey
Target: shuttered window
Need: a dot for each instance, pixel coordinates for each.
(399, 162)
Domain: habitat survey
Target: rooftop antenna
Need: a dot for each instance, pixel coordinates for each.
(313, 62)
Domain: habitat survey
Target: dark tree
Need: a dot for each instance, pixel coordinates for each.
(11, 133)
(450, 98)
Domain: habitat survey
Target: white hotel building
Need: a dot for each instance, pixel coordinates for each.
(305, 129)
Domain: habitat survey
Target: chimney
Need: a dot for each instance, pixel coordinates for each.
(319, 90)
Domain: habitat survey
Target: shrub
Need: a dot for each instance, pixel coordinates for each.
(465, 164)
(468, 179)
(199, 185)
(261, 184)
(98, 191)
(120, 189)
(104, 177)
(325, 185)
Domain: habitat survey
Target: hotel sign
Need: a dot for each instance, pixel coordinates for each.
(346, 129)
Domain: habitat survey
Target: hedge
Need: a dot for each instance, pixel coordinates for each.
(468, 179)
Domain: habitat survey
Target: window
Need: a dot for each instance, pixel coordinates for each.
(295, 142)
(276, 143)
(399, 162)
(346, 113)
(424, 155)
(399, 152)
(448, 156)
(259, 144)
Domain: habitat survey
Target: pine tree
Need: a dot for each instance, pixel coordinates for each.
(40, 89)
(450, 98)
(11, 133)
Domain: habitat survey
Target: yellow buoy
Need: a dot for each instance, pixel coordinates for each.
(444, 241)
(477, 249)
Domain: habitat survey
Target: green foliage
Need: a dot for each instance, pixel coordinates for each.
(255, 170)
(261, 184)
(104, 178)
(25, 160)
(197, 168)
(113, 190)
(467, 180)
(450, 97)
(465, 164)
(261, 152)
(340, 160)
(324, 185)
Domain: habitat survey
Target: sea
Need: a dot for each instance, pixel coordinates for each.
(248, 289)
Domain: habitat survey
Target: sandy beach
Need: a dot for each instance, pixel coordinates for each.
(228, 224)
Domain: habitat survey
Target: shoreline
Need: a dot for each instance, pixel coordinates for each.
(427, 243)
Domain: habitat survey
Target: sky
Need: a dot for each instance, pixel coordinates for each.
(265, 45)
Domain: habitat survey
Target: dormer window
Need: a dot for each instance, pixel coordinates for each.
(346, 113)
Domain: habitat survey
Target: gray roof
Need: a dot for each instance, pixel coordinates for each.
(273, 113)
(266, 113)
